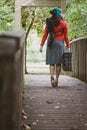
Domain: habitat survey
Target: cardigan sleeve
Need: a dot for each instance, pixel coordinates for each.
(44, 37)
(66, 35)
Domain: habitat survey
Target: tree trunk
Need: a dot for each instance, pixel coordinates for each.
(27, 33)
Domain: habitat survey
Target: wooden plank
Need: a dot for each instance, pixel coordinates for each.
(42, 3)
(73, 60)
(54, 109)
(76, 57)
(63, 5)
(82, 60)
(85, 52)
(86, 66)
(86, 60)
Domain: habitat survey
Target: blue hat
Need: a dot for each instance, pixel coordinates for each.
(56, 11)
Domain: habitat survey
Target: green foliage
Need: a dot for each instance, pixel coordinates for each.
(6, 17)
(76, 17)
(41, 13)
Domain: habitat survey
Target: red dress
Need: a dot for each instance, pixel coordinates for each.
(61, 33)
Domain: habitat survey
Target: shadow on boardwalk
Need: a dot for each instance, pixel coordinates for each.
(61, 108)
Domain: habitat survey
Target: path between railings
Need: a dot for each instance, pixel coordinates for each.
(61, 108)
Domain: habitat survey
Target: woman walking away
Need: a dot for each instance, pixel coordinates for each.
(56, 32)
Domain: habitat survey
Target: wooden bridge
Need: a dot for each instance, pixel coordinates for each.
(44, 107)
(62, 108)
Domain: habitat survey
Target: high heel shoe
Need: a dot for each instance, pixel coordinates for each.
(56, 83)
(52, 81)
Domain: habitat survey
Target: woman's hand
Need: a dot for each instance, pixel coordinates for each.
(41, 47)
(68, 49)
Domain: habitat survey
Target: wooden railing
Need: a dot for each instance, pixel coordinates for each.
(11, 79)
(79, 53)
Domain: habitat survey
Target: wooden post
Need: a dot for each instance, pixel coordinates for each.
(17, 14)
(11, 79)
(86, 65)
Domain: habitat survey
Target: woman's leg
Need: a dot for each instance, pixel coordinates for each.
(52, 71)
(58, 70)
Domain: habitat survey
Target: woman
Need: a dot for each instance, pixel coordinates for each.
(55, 48)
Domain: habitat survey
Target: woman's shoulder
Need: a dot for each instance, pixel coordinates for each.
(63, 22)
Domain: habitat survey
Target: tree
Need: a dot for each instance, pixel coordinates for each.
(76, 17)
(25, 14)
(33, 18)
(6, 16)
(40, 14)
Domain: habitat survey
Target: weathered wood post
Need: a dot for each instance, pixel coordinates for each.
(11, 79)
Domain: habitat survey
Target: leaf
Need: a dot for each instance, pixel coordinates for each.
(23, 112)
(85, 124)
(27, 127)
(34, 123)
(57, 107)
(49, 102)
(25, 117)
(41, 115)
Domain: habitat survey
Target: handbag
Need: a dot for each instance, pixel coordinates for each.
(67, 61)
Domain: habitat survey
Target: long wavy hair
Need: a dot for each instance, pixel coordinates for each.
(56, 18)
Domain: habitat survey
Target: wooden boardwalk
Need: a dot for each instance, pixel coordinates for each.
(61, 108)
